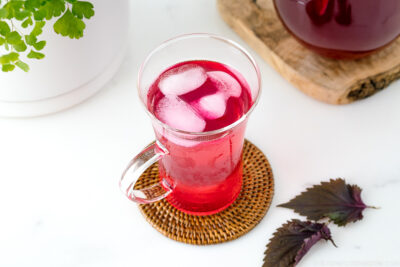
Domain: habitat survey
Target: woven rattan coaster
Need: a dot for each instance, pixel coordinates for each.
(238, 219)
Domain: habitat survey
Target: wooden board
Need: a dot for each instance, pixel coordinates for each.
(328, 80)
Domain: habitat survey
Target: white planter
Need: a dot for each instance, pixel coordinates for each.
(72, 70)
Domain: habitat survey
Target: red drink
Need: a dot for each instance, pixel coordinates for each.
(205, 174)
(199, 110)
(341, 28)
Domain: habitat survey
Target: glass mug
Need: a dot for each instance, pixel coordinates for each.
(341, 28)
(200, 172)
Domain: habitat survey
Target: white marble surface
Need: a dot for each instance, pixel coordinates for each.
(59, 199)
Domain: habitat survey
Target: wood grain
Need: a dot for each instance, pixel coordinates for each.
(328, 80)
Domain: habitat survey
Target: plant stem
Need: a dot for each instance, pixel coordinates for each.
(15, 27)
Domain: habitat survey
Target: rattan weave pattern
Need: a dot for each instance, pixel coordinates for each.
(238, 219)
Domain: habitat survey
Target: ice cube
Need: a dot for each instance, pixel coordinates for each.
(212, 106)
(171, 137)
(179, 115)
(225, 83)
(181, 141)
(182, 80)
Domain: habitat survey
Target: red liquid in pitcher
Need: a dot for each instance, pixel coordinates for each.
(200, 96)
(342, 28)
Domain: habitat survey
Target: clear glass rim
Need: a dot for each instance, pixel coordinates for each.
(201, 35)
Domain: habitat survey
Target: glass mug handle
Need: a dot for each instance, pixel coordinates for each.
(148, 156)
